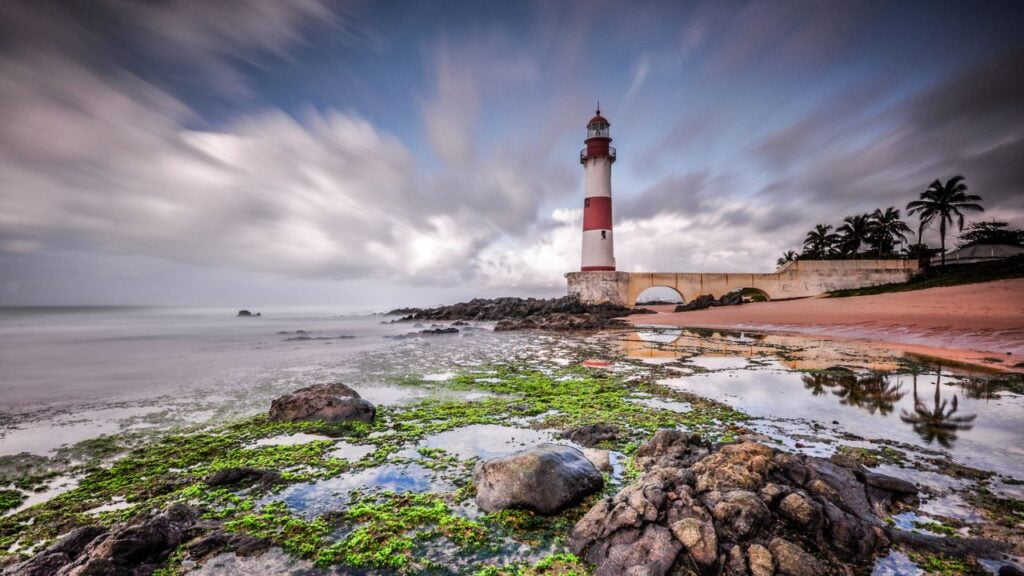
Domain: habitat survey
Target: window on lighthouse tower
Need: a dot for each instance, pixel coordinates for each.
(598, 130)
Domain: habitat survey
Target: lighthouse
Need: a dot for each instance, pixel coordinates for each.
(597, 159)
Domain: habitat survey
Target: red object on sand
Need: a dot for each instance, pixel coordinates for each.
(595, 363)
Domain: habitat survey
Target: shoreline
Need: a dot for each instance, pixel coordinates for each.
(980, 325)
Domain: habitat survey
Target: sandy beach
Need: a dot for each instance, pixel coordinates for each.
(980, 324)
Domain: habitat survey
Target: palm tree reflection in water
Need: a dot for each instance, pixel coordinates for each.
(872, 392)
(940, 422)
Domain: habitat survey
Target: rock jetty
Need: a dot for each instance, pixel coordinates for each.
(565, 313)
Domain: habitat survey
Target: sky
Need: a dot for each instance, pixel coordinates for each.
(376, 154)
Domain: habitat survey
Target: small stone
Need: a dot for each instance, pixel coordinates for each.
(799, 509)
(739, 515)
(760, 561)
(698, 538)
(793, 561)
(735, 563)
(601, 459)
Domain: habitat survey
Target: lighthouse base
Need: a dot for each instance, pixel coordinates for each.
(599, 287)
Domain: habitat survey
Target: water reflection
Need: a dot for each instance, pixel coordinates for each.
(872, 392)
(938, 422)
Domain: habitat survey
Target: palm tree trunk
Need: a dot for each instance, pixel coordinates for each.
(942, 240)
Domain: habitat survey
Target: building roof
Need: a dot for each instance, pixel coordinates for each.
(981, 252)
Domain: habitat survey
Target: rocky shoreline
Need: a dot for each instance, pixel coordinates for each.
(565, 313)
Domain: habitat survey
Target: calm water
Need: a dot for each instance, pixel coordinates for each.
(73, 373)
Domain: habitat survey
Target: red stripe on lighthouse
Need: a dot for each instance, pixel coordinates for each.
(597, 213)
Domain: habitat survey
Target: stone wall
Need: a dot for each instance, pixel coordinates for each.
(599, 287)
(798, 279)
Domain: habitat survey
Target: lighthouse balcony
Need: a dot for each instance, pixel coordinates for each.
(584, 155)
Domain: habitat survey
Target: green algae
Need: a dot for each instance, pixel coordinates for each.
(400, 532)
(10, 499)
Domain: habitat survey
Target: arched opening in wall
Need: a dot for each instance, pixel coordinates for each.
(754, 295)
(658, 296)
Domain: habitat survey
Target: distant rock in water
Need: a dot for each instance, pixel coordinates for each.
(565, 313)
(439, 331)
(325, 402)
(247, 314)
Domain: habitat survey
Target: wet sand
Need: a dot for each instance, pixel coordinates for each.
(978, 324)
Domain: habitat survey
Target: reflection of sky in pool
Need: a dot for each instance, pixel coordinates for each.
(486, 440)
(331, 494)
(981, 430)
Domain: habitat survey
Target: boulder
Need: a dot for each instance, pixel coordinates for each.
(546, 479)
(326, 402)
(591, 435)
(728, 507)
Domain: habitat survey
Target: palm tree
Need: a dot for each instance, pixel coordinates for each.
(886, 230)
(854, 231)
(820, 242)
(943, 201)
(787, 257)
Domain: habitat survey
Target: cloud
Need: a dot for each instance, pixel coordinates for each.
(640, 72)
(106, 161)
(197, 44)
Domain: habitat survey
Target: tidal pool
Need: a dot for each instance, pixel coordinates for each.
(933, 410)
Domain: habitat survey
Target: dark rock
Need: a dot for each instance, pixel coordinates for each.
(327, 402)
(947, 546)
(801, 510)
(246, 545)
(244, 314)
(60, 554)
(135, 549)
(735, 562)
(760, 561)
(1010, 570)
(707, 301)
(697, 535)
(546, 479)
(889, 483)
(671, 448)
(234, 476)
(792, 560)
(650, 550)
(566, 313)
(739, 515)
(742, 466)
(439, 331)
(591, 435)
(460, 323)
(208, 545)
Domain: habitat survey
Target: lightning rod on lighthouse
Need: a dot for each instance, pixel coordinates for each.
(597, 159)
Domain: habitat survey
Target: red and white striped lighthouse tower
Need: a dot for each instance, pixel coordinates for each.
(597, 159)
